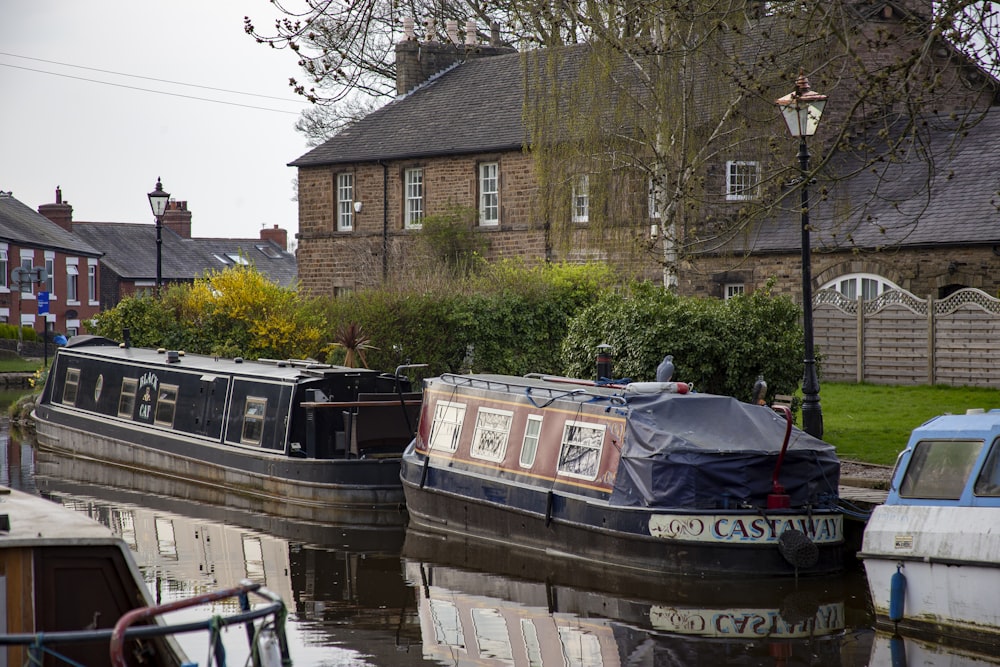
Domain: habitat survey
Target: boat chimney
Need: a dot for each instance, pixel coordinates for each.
(603, 362)
(127, 337)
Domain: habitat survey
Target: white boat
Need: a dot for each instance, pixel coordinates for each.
(932, 551)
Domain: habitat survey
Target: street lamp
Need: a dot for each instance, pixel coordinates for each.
(802, 110)
(158, 202)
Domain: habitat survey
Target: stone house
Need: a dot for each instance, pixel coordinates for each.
(128, 259)
(456, 134)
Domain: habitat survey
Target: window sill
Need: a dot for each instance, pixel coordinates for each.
(72, 303)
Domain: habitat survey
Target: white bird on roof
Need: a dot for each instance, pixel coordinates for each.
(666, 369)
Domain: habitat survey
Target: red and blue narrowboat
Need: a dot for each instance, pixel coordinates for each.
(646, 478)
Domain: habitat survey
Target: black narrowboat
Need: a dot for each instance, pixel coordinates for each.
(644, 478)
(295, 439)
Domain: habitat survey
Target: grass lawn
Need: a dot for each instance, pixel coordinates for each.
(872, 423)
(20, 365)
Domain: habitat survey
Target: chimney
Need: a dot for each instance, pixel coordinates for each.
(277, 235)
(178, 218)
(60, 213)
(417, 62)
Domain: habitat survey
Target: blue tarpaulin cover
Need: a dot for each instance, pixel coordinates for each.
(700, 451)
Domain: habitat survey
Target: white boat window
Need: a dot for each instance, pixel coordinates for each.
(939, 469)
(580, 647)
(447, 425)
(580, 455)
(126, 403)
(253, 420)
(489, 440)
(166, 405)
(491, 635)
(531, 643)
(447, 624)
(71, 386)
(988, 482)
(529, 447)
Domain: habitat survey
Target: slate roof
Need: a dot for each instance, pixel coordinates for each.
(954, 199)
(23, 226)
(131, 253)
(474, 107)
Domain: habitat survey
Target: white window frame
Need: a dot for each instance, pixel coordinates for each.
(871, 285)
(580, 202)
(529, 444)
(345, 201)
(27, 263)
(571, 441)
(50, 270)
(742, 180)
(4, 268)
(446, 428)
(72, 281)
(489, 194)
(413, 184)
(92, 282)
(733, 289)
(489, 439)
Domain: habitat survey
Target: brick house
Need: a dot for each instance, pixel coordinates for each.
(128, 261)
(456, 134)
(30, 240)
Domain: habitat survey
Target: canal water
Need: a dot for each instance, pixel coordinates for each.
(361, 597)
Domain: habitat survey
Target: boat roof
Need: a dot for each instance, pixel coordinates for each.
(976, 424)
(290, 370)
(37, 522)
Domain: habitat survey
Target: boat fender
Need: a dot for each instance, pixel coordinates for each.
(897, 594)
(796, 548)
(656, 388)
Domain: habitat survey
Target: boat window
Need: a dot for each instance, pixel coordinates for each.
(447, 624)
(580, 454)
(447, 425)
(532, 430)
(489, 441)
(166, 540)
(988, 483)
(253, 420)
(166, 405)
(491, 635)
(72, 386)
(126, 404)
(939, 468)
(531, 642)
(580, 647)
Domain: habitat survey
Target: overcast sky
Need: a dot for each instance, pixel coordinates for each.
(105, 145)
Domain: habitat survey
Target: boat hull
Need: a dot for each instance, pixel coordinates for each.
(343, 491)
(943, 555)
(632, 540)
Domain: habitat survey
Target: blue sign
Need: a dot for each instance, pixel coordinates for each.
(43, 303)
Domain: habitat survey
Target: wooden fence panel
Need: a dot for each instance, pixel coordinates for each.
(903, 339)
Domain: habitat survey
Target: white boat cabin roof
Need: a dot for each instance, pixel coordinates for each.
(34, 521)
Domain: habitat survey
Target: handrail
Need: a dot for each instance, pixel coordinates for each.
(489, 383)
(277, 607)
(778, 499)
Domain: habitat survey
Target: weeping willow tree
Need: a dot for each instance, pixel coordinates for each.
(661, 132)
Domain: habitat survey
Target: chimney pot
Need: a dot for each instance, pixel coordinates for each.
(408, 33)
(470, 33)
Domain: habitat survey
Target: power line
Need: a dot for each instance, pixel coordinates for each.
(148, 78)
(148, 90)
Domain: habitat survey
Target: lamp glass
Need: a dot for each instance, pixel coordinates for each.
(158, 200)
(802, 116)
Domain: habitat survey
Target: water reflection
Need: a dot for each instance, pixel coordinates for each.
(367, 597)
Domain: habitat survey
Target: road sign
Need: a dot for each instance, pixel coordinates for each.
(43, 303)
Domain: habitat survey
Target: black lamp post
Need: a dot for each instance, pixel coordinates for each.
(158, 202)
(802, 110)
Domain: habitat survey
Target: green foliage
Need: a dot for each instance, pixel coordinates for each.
(14, 332)
(233, 312)
(718, 346)
(451, 240)
(507, 319)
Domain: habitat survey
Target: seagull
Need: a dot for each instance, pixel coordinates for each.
(665, 369)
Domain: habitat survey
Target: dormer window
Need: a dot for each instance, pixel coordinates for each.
(742, 180)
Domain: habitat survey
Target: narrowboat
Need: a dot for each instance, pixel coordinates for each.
(644, 478)
(931, 552)
(293, 439)
(73, 594)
